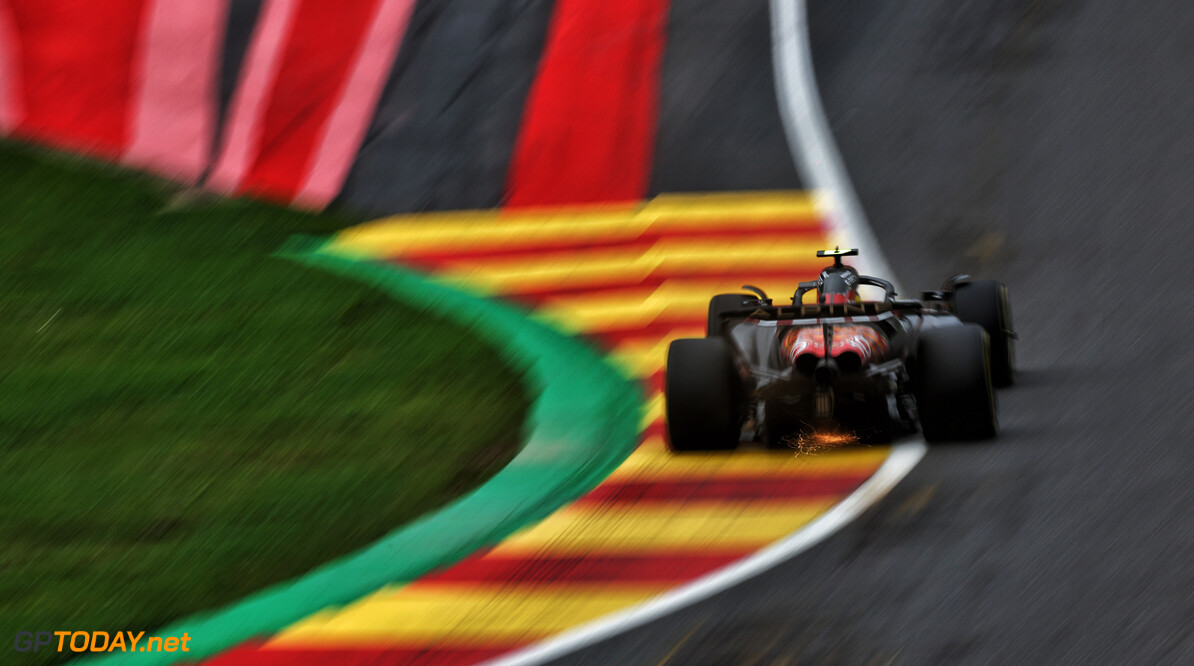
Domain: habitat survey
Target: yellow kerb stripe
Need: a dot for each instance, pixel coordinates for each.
(655, 410)
(600, 267)
(651, 461)
(642, 359)
(662, 528)
(678, 300)
(491, 228)
(462, 614)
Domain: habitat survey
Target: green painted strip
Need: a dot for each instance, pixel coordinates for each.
(584, 423)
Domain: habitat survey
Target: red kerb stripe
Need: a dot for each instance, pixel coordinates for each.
(780, 231)
(670, 568)
(759, 488)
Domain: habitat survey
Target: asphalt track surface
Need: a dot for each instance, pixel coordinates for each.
(719, 123)
(1042, 143)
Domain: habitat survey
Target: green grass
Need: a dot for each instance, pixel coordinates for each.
(185, 418)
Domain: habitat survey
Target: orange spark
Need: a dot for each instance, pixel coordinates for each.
(808, 443)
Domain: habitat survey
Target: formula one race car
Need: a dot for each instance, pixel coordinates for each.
(869, 370)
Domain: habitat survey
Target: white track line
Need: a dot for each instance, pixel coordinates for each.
(820, 166)
(809, 137)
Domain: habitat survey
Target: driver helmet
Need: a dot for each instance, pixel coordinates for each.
(837, 285)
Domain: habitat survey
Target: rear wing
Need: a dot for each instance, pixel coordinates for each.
(772, 315)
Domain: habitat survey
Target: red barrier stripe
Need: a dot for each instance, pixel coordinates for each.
(75, 70)
(342, 134)
(321, 49)
(669, 569)
(588, 130)
(724, 490)
(259, 71)
(260, 655)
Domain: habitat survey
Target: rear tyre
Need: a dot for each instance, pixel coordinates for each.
(956, 399)
(722, 303)
(703, 395)
(985, 302)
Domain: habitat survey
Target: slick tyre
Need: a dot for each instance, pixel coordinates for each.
(986, 303)
(703, 396)
(956, 399)
(722, 303)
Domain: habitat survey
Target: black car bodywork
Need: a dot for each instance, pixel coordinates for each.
(872, 370)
